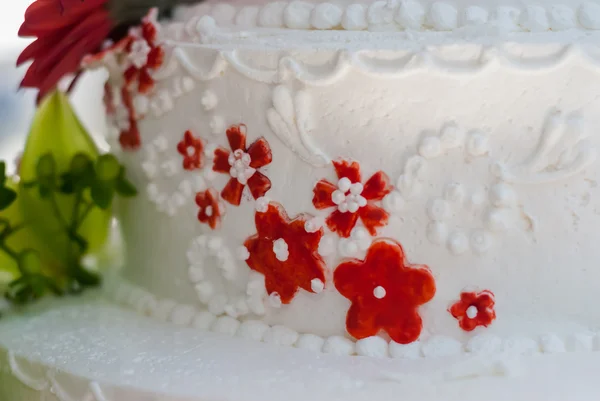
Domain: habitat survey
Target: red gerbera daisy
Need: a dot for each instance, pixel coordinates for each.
(242, 165)
(66, 31)
(352, 199)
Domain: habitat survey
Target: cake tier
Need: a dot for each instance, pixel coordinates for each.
(312, 188)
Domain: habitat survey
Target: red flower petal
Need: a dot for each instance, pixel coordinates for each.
(342, 223)
(237, 137)
(405, 330)
(130, 139)
(48, 16)
(232, 192)
(373, 217)
(146, 82)
(322, 194)
(260, 153)
(360, 323)
(193, 160)
(303, 263)
(377, 187)
(348, 169)
(156, 57)
(259, 184)
(272, 222)
(131, 75)
(221, 161)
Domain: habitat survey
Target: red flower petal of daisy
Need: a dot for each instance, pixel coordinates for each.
(322, 194)
(474, 309)
(342, 223)
(66, 32)
(377, 187)
(300, 264)
(373, 217)
(236, 135)
(348, 169)
(259, 185)
(233, 192)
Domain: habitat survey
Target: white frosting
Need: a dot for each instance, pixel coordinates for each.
(376, 347)
(480, 177)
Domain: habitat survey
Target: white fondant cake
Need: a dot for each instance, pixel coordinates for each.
(397, 178)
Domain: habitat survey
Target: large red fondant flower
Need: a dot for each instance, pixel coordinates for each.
(144, 54)
(385, 292)
(352, 199)
(474, 309)
(191, 148)
(285, 253)
(241, 164)
(66, 31)
(211, 209)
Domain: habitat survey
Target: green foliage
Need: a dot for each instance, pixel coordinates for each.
(60, 210)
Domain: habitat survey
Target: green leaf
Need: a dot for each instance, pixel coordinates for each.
(102, 194)
(30, 262)
(7, 197)
(2, 172)
(46, 167)
(124, 187)
(85, 277)
(107, 168)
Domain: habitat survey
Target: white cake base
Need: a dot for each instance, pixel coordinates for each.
(85, 349)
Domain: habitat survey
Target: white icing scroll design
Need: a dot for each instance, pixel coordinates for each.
(562, 151)
(38, 384)
(289, 120)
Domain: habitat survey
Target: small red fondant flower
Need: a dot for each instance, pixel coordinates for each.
(211, 209)
(474, 309)
(191, 148)
(385, 292)
(129, 138)
(352, 199)
(144, 54)
(285, 253)
(241, 164)
(66, 31)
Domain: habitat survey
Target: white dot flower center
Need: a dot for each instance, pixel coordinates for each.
(280, 249)
(379, 292)
(348, 196)
(208, 211)
(139, 53)
(240, 166)
(472, 312)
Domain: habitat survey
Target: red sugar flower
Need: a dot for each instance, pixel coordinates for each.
(144, 54)
(129, 138)
(191, 148)
(385, 292)
(285, 253)
(474, 309)
(352, 199)
(66, 31)
(241, 164)
(211, 209)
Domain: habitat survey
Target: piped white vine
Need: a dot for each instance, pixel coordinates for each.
(289, 120)
(561, 152)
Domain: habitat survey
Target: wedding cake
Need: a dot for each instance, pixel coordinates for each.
(414, 182)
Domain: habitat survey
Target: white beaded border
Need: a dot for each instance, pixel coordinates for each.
(397, 15)
(126, 294)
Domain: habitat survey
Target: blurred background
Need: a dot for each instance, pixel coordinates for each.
(17, 106)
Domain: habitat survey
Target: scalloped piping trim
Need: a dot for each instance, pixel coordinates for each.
(395, 15)
(129, 295)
